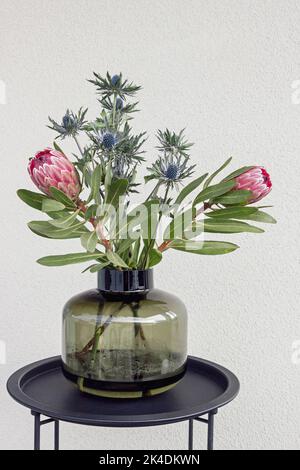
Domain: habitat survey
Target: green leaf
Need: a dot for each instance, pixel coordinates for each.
(57, 147)
(116, 189)
(115, 259)
(261, 216)
(209, 180)
(240, 196)
(125, 244)
(91, 211)
(237, 212)
(227, 226)
(108, 177)
(95, 184)
(94, 268)
(66, 221)
(189, 188)
(50, 205)
(62, 197)
(136, 252)
(89, 241)
(46, 229)
(179, 224)
(155, 257)
(238, 172)
(71, 258)
(204, 248)
(214, 191)
(31, 198)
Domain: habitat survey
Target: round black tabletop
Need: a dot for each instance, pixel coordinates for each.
(42, 387)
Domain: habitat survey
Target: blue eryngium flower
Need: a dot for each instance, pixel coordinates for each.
(119, 103)
(108, 140)
(67, 121)
(172, 172)
(170, 169)
(115, 79)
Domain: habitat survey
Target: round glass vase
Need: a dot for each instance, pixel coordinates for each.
(124, 339)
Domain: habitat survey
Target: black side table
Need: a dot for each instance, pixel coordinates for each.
(42, 388)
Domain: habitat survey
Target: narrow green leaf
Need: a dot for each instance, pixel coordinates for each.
(136, 252)
(46, 229)
(95, 184)
(237, 212)
(116, 189)
(97, 267)
(155, 257)
(189, 188)
(50, 205)
(209, 180)
(91, 211)
(238, 172)
(89, 241)
(125, 244)
(71, 258)
(227, 226)
(214, 191)
(62, 197)
(179, 224)
(115, 259)
(108, 177)
(58, 148)
(239, 196)
(31, 198)
(205, 247)
(66, 221)
(261, 216)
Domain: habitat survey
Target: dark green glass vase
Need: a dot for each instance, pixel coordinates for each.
(124, 339)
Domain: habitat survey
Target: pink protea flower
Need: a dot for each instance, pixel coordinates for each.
(257, 180)
(52, 168)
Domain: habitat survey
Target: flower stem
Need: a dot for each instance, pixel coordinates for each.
(166, 244)
(152, 241)
(78, 145)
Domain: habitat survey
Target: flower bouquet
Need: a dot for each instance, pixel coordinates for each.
(126, 338)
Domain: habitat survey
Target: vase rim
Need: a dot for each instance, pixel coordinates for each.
(127, 280)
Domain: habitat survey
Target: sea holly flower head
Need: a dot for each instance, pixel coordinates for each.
(115, 79)
(119, 104)
(172, 172)
(52, 168)
(172, 166)
(109, 140)
(71, 123)
(170, 169)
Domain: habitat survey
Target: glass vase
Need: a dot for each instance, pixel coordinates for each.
(124, 339)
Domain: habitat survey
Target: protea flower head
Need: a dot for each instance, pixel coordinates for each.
(257, 180)
(52, 168)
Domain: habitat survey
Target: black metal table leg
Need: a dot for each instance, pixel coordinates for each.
(56, 435)
(37, 430)
(38, 423)
(210, 433)
(191, 434)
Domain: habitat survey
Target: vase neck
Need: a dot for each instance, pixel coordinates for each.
(112, 280)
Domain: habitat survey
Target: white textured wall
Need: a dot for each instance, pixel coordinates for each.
(224, 69)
